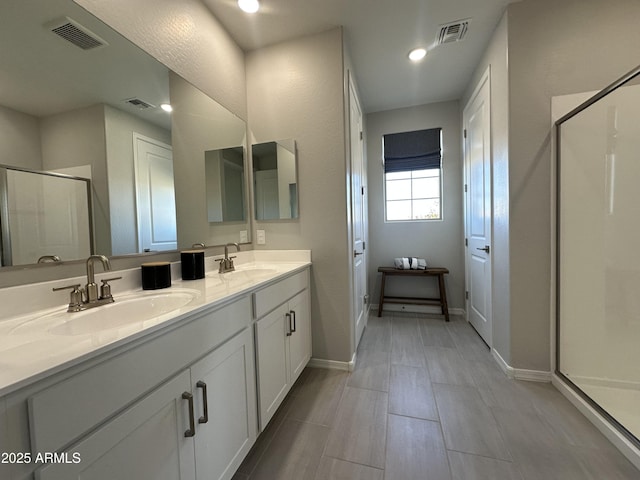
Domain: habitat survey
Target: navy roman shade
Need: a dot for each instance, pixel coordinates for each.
(408, 151)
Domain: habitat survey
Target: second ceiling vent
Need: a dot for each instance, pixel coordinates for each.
(452, 32)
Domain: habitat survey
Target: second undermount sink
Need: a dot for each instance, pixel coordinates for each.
(126, 311)
(242, 276)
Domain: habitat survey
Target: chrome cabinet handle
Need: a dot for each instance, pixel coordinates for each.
(288, 315)
(485, 249)
(192, 423)
(205, 402)
(293, 316)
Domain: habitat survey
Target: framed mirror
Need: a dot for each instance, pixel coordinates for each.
(78, 99)
(275, 177)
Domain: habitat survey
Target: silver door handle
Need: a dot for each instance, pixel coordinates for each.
(485, 249)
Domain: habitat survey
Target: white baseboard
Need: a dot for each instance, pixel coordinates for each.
(333, 364)
(520, 373)
(401, 307)
(621, 442)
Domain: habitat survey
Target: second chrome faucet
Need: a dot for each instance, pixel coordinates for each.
(226, 263)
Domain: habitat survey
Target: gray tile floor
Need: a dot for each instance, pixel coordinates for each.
(427, 401)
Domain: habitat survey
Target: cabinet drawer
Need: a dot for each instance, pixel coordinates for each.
(63, 412)
(270, 297)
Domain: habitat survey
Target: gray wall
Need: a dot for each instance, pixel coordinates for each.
(495, 58)
(19, 139)
(440, 242)
(295, 90)
(553, 48)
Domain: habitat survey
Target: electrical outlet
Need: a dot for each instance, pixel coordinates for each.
(261, 238)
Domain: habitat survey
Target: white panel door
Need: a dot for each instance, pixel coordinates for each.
(227, 422)
(155, 195)
(476, 119)
(358, 215)
(146, 442)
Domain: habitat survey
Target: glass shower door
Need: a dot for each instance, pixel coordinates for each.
(598, 329)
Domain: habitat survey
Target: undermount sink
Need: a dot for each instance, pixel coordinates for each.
(241, 277)
(125, 311)
(251, 273)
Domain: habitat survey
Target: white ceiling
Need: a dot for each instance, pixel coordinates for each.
(379, 35)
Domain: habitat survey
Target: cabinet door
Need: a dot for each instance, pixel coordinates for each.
(300, 339)
(227, 423)
(145, 442)
(273, 361)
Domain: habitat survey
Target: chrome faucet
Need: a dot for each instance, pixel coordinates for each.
(226, 263)
(85, 297)
(91, 289)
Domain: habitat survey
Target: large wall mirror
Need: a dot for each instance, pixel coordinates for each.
(78, 99)
(275, 180)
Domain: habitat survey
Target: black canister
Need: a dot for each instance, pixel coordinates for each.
(156, 275)
(192, 264)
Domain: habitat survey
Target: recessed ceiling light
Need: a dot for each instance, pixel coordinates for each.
(417, 54)
(166, 107)
(249, 6)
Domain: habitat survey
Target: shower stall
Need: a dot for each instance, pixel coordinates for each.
(598, 253)
(43, 214)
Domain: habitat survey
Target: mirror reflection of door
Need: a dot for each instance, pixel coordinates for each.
(155, 197)
(267, 198)
(275, 178)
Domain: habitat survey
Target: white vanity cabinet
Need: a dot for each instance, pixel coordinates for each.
(146, 442)
(283, 340)
(198, 425)
(226, 419)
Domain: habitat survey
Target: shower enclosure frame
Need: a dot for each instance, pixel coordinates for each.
(5, 232)
(558, 146)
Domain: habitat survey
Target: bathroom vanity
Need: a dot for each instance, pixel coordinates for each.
(183, 394)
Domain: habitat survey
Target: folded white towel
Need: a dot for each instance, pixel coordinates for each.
(405, 263)
(422, 264)
(397, 262)
(414, 263)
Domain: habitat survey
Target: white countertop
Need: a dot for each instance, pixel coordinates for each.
(32, 348)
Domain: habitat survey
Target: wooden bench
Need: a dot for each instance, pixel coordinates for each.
(429, 272)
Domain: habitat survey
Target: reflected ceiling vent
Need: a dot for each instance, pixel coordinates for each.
(75, 33)
(141, 104)
(452, 32)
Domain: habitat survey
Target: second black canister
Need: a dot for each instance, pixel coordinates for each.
(192, 264)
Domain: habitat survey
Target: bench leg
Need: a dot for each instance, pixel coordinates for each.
(443, 297)
(381, 302)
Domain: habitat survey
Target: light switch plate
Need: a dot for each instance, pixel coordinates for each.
(243, 236)
(261, 237)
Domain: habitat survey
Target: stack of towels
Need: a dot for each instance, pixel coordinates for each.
(410, 263)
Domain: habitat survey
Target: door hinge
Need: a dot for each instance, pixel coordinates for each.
(360, 135)
(466, 295)
(364, 245)
(465, 188)
(466, 242)
(362, 190)
(465, 133)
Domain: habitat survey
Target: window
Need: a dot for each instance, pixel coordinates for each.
(412, 175)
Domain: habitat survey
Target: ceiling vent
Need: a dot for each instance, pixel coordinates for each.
(75, 33)
(141, 104)
(452, 32)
